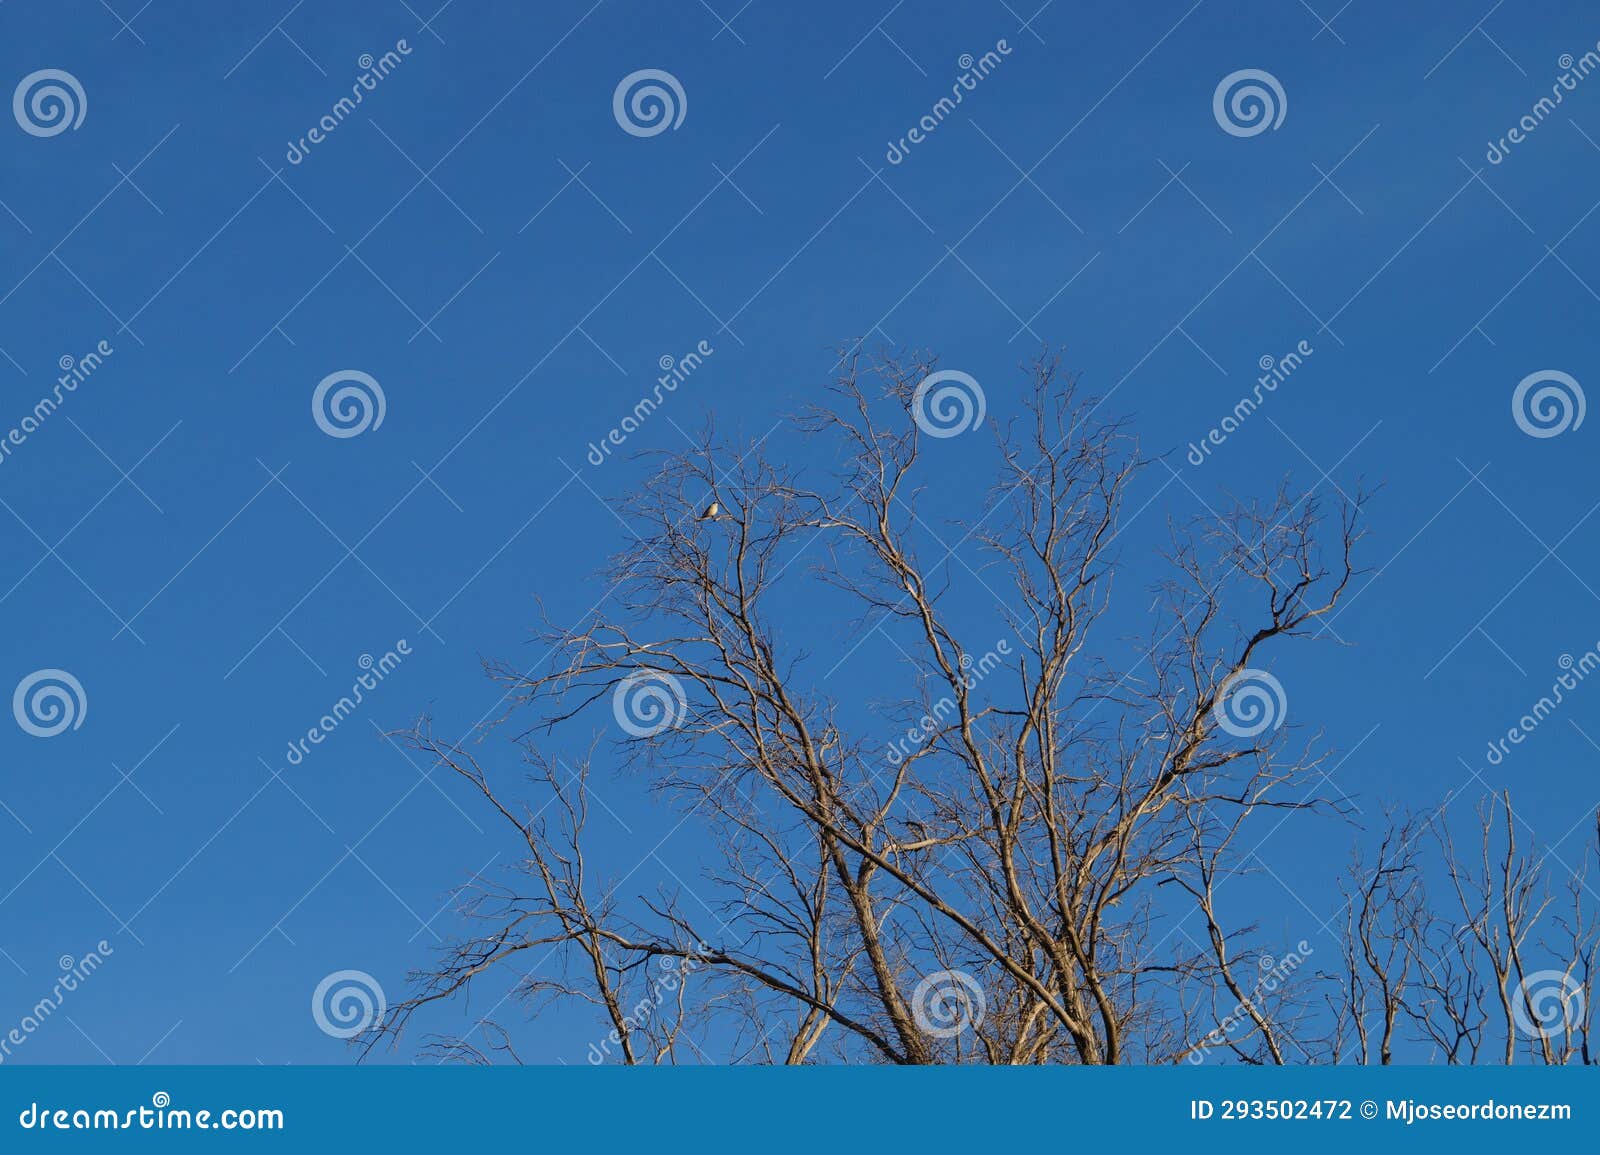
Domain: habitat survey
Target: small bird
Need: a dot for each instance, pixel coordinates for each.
(714, 510)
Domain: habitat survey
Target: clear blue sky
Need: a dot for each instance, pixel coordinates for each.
(179, 534)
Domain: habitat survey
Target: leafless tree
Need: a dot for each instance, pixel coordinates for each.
(1017, 853)
(1455, 981)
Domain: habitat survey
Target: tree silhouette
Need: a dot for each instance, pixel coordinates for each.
(1027, 869)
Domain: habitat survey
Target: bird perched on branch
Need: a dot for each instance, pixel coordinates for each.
(713, 511)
